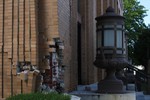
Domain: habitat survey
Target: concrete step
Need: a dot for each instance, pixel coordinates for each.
(147, 97)
(86, 89)
(131, 87)
(91, 87)
(140, 96)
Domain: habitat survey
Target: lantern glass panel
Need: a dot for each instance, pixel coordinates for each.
(119, 39)
(99, 39)
(109, 38)
(109, 26)
(119, 26)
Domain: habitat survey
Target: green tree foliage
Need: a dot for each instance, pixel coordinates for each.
(142, 48)
(134, 23)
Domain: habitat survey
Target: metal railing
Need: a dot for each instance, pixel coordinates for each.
(140, 77)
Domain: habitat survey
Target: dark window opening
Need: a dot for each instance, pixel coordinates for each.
(79, 54)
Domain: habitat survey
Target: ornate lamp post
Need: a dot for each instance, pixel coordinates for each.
(111, 50)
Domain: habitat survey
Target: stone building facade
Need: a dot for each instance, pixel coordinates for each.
(28, 26)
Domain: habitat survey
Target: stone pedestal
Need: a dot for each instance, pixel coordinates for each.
(96, 96)
(109, 86)
(126, 96)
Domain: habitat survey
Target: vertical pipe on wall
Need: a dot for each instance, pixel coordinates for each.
(12, 46)
(24, 30)
(18, 33)
(3, 49)
(29, 30)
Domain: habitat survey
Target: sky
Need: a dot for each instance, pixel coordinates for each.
(146, 4)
